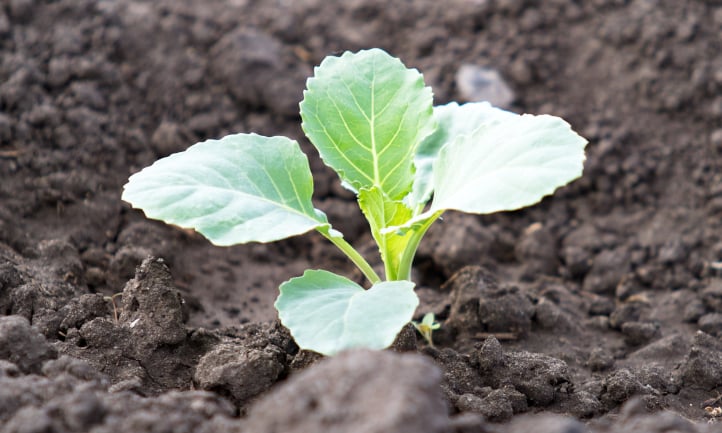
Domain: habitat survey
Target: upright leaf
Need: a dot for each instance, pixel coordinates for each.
(328, 313)
(241, 188)
(452, 120)
(382, 212)
(366, 113)
(507, 165)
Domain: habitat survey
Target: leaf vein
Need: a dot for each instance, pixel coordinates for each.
(328, 136)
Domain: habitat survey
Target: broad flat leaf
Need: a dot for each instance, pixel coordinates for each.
(382, 212)
(328, 313)
(507, 165)
(452, 120)
(241, 188)
(366, 113)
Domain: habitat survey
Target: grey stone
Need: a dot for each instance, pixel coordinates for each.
(477, 83)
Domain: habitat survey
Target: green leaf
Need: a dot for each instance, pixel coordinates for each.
(507, 165)
(366, 113)
(327, 313)
(452, 120)
(382, 212)
(241, 188)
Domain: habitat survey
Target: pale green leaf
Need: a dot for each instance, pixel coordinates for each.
(241, 188)
(382, 212)
(507, 165)
(327, 313)
(452, 121)
(366, 113)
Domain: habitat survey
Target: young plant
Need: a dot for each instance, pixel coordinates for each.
(426, 327)
(373, 122)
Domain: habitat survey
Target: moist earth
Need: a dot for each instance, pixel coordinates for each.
(600, 309)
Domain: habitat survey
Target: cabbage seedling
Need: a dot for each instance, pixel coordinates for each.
(373, 122)
(426, 327)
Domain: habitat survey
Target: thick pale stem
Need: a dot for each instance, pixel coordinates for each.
(389, 270)
(354, 256)
(407, 260)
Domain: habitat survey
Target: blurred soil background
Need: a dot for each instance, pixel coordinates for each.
(598, 310)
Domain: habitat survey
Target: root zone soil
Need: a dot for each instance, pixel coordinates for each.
(598, 310)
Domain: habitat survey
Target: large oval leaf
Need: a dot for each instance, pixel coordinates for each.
(241, 188)
(366, 113)
(327, 313)
(452, 121)
(507, 165)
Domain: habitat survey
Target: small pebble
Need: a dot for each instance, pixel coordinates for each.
(477, 83)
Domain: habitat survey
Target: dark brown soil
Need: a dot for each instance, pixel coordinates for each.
(598, 310)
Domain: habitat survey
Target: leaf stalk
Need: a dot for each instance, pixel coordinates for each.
(407, 260)
(354, 256)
